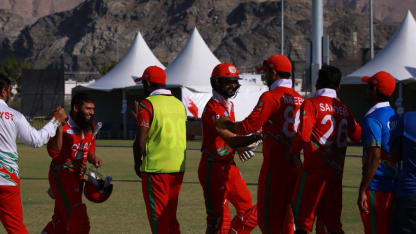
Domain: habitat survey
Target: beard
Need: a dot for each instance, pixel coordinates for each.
(146, 92)
(229, 93)
(145, 87)
(83, 122)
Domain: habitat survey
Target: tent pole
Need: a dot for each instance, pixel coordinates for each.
(371, 31)
(124, 112)
(282, 29)
(399, 100)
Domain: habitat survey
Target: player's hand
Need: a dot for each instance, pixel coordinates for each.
(221, 122)
(245, 155)
(254, 145)
(135, 111)
(137, 166)
(51, 194)
(362, 202)
(259, 136)
(95, 161)
(60, 115)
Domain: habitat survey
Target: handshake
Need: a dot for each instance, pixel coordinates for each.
(60, 115)
(247, 152)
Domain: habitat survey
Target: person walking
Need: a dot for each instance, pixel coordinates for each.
(218, 174)
(70, 149)
(159, 150)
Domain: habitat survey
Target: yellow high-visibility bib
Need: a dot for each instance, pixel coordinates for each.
(166, 139)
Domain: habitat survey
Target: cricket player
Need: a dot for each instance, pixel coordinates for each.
(324, 127)
(218, 174)
(403, 148)
(70, 149)
(276, 113)
(159, 150)
(14, 125)
(376, 193)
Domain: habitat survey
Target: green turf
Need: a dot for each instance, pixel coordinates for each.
(125, 211)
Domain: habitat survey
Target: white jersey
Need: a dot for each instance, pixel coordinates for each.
(14, 125)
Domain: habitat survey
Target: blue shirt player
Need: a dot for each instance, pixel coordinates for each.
(403, 147)
(376, 193)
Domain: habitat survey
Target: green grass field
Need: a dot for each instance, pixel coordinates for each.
(125, 211)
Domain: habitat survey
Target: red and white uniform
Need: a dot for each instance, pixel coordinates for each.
(275, 113)
(66, 180)
(219, 176)
(325, 125)
(14, 125)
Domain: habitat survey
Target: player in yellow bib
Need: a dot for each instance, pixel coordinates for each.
(159, 150)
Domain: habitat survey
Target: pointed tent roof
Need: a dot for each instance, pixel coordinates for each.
(398, 57)
(134, 62)
(193, 65)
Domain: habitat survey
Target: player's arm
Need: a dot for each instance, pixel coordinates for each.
(260, 114)
(142, 114)
(235, 141)
(354, 128)
(37, 138)
(370, 168)
(372, 131)
(55, 143)
(92, 157)
(306, 122)
(139, 148)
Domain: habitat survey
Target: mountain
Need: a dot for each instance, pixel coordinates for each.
(31, 10)
(385, 10)
(97, 32)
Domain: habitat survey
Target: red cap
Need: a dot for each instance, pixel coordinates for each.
(384, 82)
(277, 62)
(225, 70)
(153, 74)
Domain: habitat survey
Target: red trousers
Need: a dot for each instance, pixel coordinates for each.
(70, 214)
(11, 214)
(380, 205)
(222, 183)
(277, 181)
(320, 193)
(161, 193)
(274, 198)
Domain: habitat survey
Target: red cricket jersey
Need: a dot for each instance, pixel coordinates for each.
(214, 148)
(277, 113)
(325, 125)
(145, 113)
(76, 145)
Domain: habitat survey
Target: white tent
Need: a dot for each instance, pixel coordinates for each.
(398, 57)
(193, 65)
(134, 62)
(191, 70)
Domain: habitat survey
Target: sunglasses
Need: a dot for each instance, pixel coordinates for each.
(228, 81)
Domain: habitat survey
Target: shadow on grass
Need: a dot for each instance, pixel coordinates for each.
(135, 181)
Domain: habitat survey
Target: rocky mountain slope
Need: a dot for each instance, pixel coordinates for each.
(31, 10)
(385, 10)
(243, 32)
